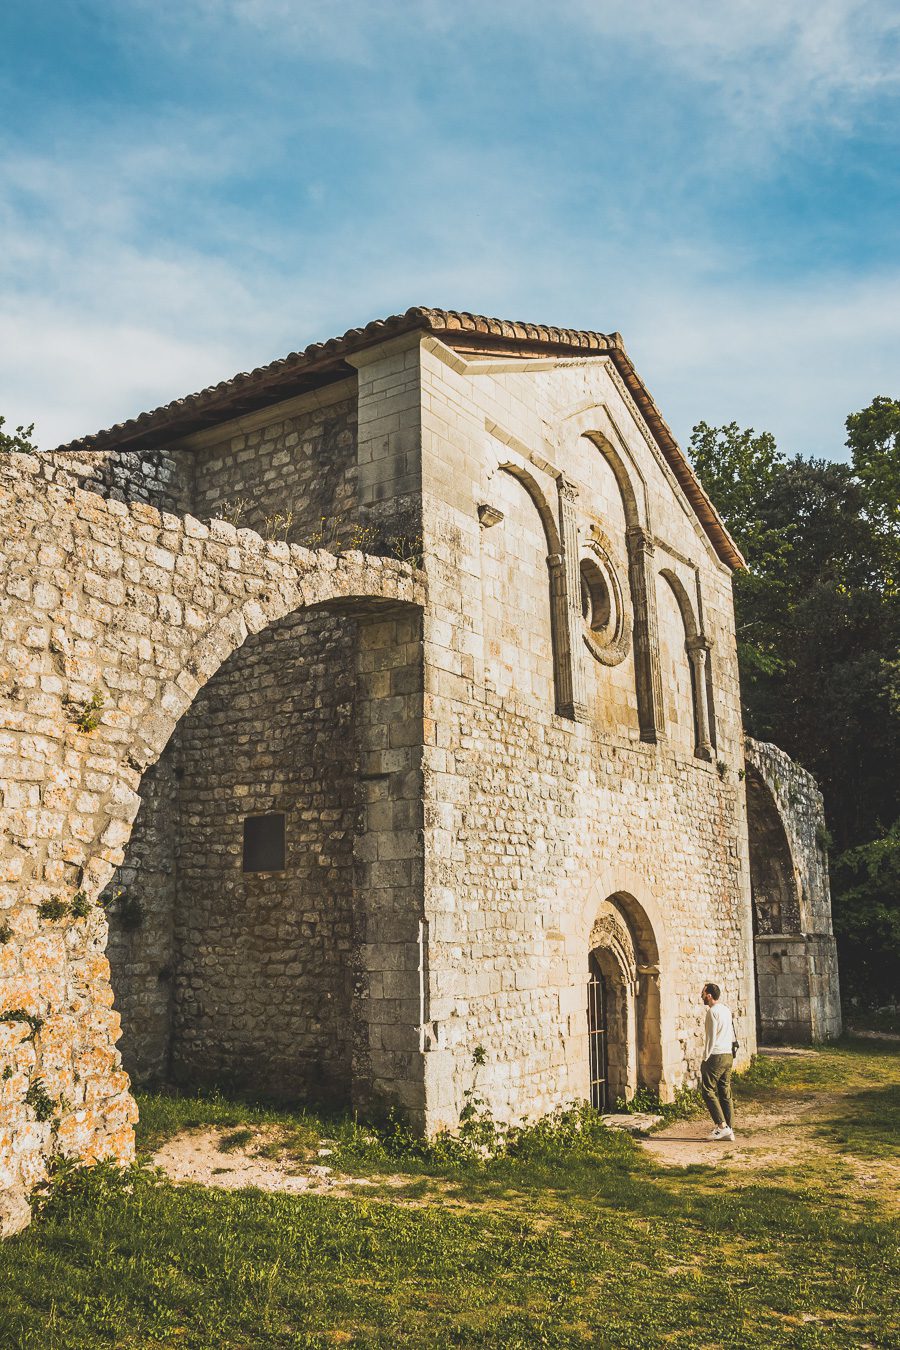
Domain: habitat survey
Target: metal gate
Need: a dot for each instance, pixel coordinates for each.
(597, 1035)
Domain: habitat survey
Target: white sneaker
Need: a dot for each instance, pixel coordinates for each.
(724, 1132)
(715, 1132)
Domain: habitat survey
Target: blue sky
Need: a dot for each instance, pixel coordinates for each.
(191, 189)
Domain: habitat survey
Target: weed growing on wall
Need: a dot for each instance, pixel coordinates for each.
(407, 548)
(87, 715)
(366, 539)
(81, 906)
(53, 909)
(39, 1099)
(234, 510)
(6, 933)
(32, 1020)
(278, 525)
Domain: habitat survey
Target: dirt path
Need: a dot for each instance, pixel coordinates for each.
(785, 1134)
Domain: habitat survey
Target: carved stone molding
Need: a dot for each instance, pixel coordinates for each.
(489, 515)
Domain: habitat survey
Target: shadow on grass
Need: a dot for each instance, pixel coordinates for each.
(869, 1123)
(573, 1237)
(130, 1261)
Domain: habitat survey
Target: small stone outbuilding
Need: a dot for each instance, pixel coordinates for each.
(374, 715)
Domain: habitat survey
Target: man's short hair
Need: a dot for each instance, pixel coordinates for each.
(712, 989)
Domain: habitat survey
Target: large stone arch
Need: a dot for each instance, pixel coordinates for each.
(774, 878)
(119, 606)
(796, 961)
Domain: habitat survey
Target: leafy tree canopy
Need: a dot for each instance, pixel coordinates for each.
(19, 440)
(818, 628)
(873, 436)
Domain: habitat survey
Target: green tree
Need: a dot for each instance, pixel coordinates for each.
(818, 626)
(873, 436)
(867, 918)
(740, 470)
(19, 440)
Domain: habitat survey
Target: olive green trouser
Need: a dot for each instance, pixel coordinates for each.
(715, 1086)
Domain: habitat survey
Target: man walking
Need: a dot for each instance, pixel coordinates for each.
(718, 1061)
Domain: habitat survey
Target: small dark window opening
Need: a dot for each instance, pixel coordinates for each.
(264, 843)
(596, 606)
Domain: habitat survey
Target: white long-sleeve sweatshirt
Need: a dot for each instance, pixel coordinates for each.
(719, 1030)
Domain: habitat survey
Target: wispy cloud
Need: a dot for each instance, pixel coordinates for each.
(273, 172)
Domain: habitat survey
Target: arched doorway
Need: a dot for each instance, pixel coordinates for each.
(624, 1015)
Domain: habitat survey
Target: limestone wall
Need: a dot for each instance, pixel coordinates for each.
(160, 478)
(115, 600)
(264, 961)
(536, 817)
(292, 469)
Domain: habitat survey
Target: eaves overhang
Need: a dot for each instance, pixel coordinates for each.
(323, 363)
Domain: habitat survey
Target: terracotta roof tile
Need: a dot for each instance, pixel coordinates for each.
(322, 362)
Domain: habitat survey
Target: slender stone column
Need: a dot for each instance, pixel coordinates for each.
(572, 684)
(646, 633)
(697, 650)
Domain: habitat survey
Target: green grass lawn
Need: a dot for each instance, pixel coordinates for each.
(573, 1237)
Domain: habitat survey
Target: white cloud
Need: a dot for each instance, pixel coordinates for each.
(131, 279)
(792, 359)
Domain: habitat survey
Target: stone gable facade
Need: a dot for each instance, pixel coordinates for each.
(369, 715)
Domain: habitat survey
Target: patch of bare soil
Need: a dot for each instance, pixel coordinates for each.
(762, 1138)
(202, 1157)
(784, 1135)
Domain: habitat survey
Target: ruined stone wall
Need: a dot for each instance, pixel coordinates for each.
(265, 962)
(797, 802)
(160, 478)
(533, 819)
(798, 989)
(290, 471)
(111, 598)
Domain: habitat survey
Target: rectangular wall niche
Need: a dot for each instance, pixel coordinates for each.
(264, 843)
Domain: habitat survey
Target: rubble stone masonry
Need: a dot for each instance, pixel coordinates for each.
(514, 769)
(114, 603)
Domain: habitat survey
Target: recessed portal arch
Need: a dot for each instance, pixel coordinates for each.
(624, 954)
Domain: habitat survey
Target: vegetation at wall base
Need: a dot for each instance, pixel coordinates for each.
(578, 1239)
(818, 629)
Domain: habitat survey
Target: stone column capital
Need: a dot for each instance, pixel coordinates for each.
(639, 538)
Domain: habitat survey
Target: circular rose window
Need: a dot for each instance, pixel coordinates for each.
(607, 620)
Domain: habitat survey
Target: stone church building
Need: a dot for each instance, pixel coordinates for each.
(377, 713)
